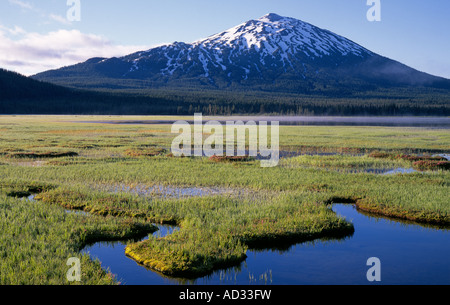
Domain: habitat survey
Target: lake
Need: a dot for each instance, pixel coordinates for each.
(410, 254)
(403, 121)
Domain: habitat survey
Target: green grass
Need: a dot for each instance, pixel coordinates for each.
(258, 208)
(215, 230)
(38, 239)
(343, 162)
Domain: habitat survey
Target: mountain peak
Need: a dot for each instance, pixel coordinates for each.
(274, 35)
(271, 17)
(266, 51)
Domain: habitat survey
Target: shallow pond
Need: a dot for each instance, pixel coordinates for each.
(409, 254)
(163, 191)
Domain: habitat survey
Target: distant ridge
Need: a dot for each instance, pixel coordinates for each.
(272, 53)
(272, 65)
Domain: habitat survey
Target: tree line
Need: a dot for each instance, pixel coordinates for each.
(22, 95)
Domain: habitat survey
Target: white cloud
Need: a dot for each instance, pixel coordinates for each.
(21, 4)
(48, 17)
(59, 19)
(30, 53)
(16, 31)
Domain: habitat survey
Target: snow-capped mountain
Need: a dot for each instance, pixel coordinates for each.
(248, 50)
(270, 52)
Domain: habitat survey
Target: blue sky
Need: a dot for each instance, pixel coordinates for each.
(35, 35)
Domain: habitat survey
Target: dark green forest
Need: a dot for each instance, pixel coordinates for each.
(22, 95)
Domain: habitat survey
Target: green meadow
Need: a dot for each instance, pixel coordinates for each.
(125, 179)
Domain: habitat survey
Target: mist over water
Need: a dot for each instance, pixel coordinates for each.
(402, 121)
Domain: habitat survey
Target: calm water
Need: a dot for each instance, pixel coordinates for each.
(409, 254)
(404, 121)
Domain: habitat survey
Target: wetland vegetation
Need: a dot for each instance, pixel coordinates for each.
(126, 179)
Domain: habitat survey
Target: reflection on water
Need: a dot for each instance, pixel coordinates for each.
(127, 271)
(446, 156)
(405, 121)
(400, 171)
(384, 171)
(409, 254)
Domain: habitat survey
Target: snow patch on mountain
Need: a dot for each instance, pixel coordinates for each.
(271, 37)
